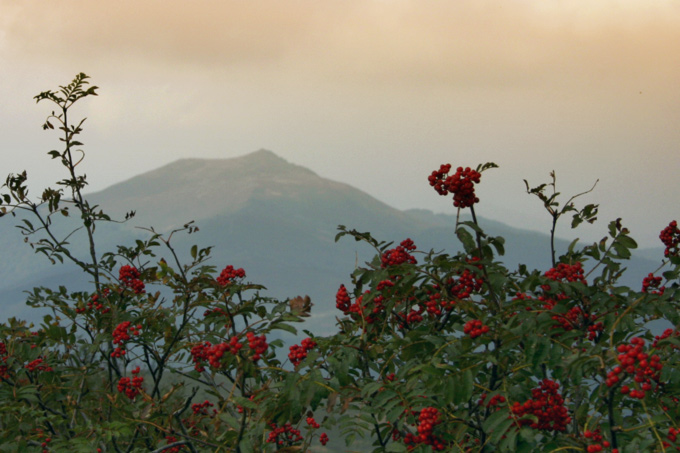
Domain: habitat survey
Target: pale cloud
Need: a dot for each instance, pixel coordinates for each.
(346, 87)
(468, 42)
(207, 33)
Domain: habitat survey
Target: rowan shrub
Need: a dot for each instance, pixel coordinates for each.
(433, 352)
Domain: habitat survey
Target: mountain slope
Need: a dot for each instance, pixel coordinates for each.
(276, 220)
(197, 189)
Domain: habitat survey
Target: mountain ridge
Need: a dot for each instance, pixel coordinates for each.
(222, 185)
(275, 219)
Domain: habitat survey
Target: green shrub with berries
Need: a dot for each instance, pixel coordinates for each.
(434, 352)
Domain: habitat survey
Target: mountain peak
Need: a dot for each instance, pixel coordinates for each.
(261, 158)
(195, 188)
(263, 154)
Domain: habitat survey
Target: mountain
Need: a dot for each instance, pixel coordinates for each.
(275, 219)
(199, 189)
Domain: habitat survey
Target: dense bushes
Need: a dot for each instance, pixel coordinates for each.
(433, 352)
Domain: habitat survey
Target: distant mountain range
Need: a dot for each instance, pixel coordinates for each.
(275, 219)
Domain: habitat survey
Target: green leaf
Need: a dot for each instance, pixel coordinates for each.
(246, 446)
(474, 227)
(539, 352)
(500, 430)
(245, 402)
(509, 443)
(498, 243)
(621, 250)
(28, 224)
(627, 241)
(466, 239)
(284, 326)
(28, 393)
(486, 166)
(496, 423)
(464, 387)
(371, 388)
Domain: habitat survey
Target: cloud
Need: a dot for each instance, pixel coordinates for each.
(478, 43)
(206, 32)
(587, 88)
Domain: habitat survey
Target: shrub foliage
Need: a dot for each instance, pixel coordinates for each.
(433, 352)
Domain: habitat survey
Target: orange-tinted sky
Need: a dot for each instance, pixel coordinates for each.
(375, 93)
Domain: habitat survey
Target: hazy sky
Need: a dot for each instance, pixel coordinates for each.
(374, 93)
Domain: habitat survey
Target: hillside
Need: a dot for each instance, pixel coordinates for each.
(275, 219)
(198, 189)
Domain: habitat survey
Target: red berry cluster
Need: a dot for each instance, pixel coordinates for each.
(566, 272)
(670, 236)
(634, 361)
(369, 307)
(129, 277)
(384, 284)
(414, 316)
(217, 311)
(342, 300)
(595, 436)
(131, 387)
(519, 296)
(574, 318)
(45, 444)
(653, 282)
(461, 287)
(437, 178)
(170, 440)
(323, 438)
(311, 422)
(121, 334)
(217, 351)
(257, 344)
(460, 184)
(399, 255)
(595, 329)
(427, 421)
(95, 303)
(284, 435)
(673, 434)
(412, 313)
(569, 320)
(4, 369)
(465, 285)
(344, 303)
(213, 353)
(299, 352)
(547, 407)
(378, 307)
(666, 333)
(233, 346)
(228, 274)
(199, 354)
(435, 304)
(475, 328)
(37, 365)
(493, 402)
(201, 408)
